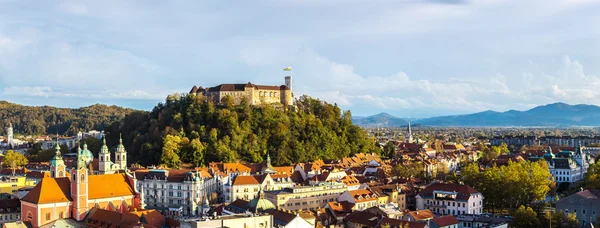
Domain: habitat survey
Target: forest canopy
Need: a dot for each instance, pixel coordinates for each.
(193, 129)
(32, 120)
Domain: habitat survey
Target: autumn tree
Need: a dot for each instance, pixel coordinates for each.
(170, 151)
(525, 217)
(14, 159)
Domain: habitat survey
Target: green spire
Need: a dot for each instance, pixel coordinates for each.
(104, 148)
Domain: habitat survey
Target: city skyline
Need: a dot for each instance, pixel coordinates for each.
(407, 58)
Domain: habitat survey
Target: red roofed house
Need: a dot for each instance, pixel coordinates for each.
(450, 199)
(447, 221)
(362, 198)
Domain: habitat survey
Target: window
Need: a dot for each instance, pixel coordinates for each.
(47, 216)
(60, 215)
(82, 177)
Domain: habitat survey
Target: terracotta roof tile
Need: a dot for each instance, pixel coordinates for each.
(50, 190)
(445, 221)
(421, 215)
(246, 180)
(119, 186)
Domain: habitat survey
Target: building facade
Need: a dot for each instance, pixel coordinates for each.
(175, 192)
(306, 197)
(585, 205)
(450, 199)
(254, 94)
(567, 166)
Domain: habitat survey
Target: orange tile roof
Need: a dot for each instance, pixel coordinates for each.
(350, 181)
(109, 185)
(284, 169)
(421, 215)
(363, 193)
(50, 190)
(245, 180)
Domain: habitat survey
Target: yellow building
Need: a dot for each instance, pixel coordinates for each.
(306, 197)
(11, 184)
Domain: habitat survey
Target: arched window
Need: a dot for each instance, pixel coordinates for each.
(82, 177)
(29, 215)
(260, 93)
(101, 158)
(60, 173)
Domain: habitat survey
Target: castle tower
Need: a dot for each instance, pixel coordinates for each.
(409, 136)
(104, 164)
(79, 189)
(288, 82)
(9, 132)
(57, 165)
(121, 155)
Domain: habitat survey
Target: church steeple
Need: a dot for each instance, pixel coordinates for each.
(57, 165)
(121, 154)
(104, 165)
(409, 136)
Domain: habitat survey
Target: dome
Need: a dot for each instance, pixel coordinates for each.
(260, 205)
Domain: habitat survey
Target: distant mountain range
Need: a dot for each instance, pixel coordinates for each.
(551, 115)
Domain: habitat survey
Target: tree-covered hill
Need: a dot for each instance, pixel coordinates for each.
(193, 129)
(31, 120)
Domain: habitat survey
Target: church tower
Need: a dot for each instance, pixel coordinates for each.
(9, 132)
(79, 189)
(121, 155)
(57, 165)
(409, 136)
(104, 164)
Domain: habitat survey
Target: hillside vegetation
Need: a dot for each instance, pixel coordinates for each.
(31, 120)
(193, 129)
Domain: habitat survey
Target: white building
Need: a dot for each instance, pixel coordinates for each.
(176, 192)
(69, 142)
(105, 165)
(450, 199)
(362, 199)
(567, 166)
(247, 187)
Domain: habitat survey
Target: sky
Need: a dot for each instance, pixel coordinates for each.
(409, 58)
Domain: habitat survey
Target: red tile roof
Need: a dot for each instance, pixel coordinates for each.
(445, 221)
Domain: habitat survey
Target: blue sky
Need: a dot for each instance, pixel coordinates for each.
(412, 58)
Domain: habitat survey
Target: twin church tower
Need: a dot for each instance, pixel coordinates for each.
(85, 159)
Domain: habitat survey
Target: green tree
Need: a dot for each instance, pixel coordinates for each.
(389, 150)
(525, 217)
(14, 159)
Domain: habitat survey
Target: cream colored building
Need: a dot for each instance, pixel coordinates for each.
(248, 187)
(306, 197)
(254, 94)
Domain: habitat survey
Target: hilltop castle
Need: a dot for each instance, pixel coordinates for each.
(254, 94)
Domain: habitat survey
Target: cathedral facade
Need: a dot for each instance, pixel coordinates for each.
(254, 94)
(75, 193)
